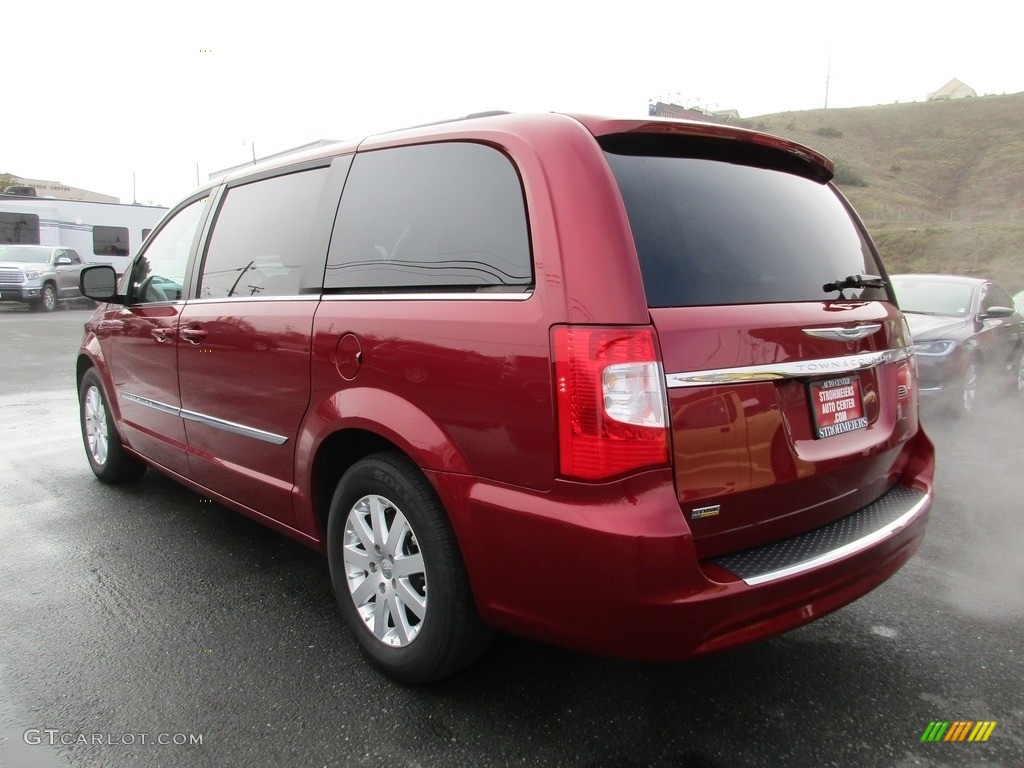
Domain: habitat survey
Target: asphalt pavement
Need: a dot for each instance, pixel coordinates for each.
(144, 626)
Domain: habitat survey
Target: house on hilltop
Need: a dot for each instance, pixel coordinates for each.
(679, 112)
(954, 89)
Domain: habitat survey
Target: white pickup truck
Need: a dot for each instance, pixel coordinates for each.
(39, 275)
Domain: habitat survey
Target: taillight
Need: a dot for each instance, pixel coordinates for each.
(906, 397)
(904, 381)
(611, 401)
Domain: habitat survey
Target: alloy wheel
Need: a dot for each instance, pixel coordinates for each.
(970, 392)
(49, 298)
(96, 425)
(385, 571)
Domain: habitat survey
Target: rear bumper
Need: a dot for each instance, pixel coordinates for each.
(622, 579)
(847, 536)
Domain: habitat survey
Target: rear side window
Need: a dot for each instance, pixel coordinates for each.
(437, 216)
(260, 240)
(711, 232)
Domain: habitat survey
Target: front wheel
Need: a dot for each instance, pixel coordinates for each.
(968, 404)
(47, 301)
(107, 457)
(398, 574)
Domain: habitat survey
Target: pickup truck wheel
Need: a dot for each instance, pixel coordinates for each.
(398, 574)
(107, 457)
(48, 298)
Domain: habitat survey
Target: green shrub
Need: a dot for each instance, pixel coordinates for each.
(847, 176)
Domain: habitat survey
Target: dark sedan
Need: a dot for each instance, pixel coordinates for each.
(965, 332)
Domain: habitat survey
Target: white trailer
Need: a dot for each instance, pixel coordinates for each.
(102, 233)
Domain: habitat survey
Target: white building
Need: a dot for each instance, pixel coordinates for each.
(954, 89)
(61, 191)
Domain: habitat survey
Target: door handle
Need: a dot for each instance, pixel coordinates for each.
(192, 335)
(163, 334)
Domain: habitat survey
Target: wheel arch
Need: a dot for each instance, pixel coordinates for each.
(82, 366)
(355, 423)
(91, 358)
(335, 454)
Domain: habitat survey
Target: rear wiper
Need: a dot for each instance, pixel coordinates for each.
(854, 281)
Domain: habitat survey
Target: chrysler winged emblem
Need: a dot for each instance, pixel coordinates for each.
(844, 334)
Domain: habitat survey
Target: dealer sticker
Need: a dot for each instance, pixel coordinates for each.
(838, 406)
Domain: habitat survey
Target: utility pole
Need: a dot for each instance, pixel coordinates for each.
(828, 75)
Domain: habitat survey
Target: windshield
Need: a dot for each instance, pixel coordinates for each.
(25, 254)
(922, 296)
(711, 232)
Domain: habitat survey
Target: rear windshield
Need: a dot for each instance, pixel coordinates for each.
(713, 232)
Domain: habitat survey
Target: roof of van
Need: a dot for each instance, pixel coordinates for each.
(493, 123)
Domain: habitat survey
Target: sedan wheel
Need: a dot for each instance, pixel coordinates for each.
(969, 397)
(398, 574)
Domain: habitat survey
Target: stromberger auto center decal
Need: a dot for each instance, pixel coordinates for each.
(838, 406)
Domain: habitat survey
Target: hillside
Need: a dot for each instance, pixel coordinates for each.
(940, 185)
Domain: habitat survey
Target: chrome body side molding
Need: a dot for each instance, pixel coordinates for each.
(210, 421)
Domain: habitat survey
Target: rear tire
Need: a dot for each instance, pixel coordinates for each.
(103, 447)
(398, 574)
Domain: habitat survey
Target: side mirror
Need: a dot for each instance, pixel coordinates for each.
(99, 283)
(63, 260)
(995, 313)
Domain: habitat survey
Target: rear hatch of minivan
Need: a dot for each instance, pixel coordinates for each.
(790, 384)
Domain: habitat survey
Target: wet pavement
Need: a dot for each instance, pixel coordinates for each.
(144, 626)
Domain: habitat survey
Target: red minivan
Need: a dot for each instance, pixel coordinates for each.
(635, 387)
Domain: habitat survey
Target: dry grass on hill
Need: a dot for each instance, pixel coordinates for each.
(940, 185)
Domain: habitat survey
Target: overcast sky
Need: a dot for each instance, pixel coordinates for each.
(99, 90)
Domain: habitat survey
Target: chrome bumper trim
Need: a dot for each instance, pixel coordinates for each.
(813, 549)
